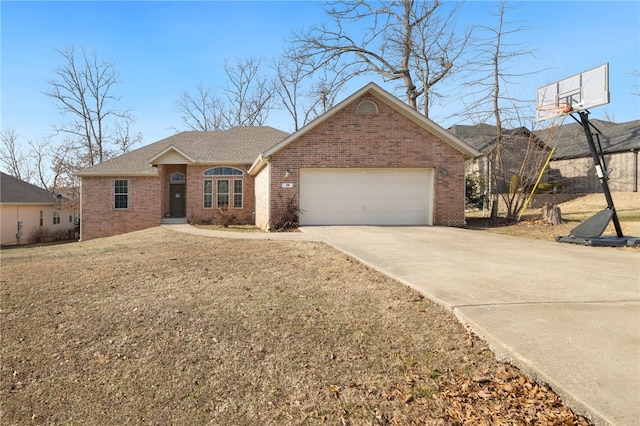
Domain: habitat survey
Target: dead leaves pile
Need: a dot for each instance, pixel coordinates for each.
(503, 398)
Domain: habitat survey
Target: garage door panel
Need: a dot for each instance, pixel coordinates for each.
(366, 196)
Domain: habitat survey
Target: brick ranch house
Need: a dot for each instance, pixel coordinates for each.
(371, 160)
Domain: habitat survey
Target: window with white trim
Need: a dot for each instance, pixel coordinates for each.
(56, 217)
(208, 193)
(227, 192)
(237, 193)
(222, 193)
(121, 194)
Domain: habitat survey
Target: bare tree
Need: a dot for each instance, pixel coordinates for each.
(323, 95)
(41, 153)
(64, 164)
(200, 110)
(516, 163)
(14, 160)
(31, 165)
(247, 99)
(122, 137)
(83, 90)
(304, 91)
(411, 42)
(248, 94)
(490, 73)
(513, 160)
(288, 89)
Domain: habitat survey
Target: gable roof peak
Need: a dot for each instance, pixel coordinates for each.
(389, 99)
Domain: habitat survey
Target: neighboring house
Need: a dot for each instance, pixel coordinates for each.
(371, 160)
(571, 169)
(572, 165)
(30, 214)
(519, 146)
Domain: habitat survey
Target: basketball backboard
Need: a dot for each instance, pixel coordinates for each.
(576, 93)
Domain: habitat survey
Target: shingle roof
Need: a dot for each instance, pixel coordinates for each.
(16, 191)
(479, 136)
(483, 136)
(571, 142)
(569, 139)
(238, 145)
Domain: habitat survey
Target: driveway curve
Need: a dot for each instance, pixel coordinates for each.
(566, 315)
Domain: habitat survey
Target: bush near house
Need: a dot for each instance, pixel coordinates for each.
(224, 217)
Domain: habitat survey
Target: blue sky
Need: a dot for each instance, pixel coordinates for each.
(161, 49)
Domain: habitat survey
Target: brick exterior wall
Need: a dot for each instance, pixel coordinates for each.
(149, 201)
(385, 140)
(101, 219)
(579, 176)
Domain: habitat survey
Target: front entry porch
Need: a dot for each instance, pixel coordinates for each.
(174, 193)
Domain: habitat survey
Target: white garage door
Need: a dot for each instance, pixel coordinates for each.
(366, 196)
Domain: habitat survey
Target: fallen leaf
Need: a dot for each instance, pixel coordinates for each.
(335, 390)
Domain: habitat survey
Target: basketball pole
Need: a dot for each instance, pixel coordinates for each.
(603, 175)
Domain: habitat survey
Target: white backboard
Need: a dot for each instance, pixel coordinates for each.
(576, 93)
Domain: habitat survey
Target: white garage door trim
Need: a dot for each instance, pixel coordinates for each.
(366, 196)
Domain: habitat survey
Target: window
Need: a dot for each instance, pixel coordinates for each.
(70, 218)
(223, 171)
(41, 218)
(228, 192)
(208, 193)
(222, 193)
(56, 217)
(177, 178)
(367, 108)
(121, 194)
(237, 193)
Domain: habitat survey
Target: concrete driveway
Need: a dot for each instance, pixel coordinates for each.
(566, 315)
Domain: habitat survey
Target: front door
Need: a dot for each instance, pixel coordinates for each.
(176, 199)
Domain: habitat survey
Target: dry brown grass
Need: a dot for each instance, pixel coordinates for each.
(574, 212)
(158, 327)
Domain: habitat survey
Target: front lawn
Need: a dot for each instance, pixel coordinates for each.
(160, 327)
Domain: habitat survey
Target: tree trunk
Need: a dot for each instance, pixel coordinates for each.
(551, 214)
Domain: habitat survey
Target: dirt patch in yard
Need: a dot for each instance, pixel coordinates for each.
(160, 327)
